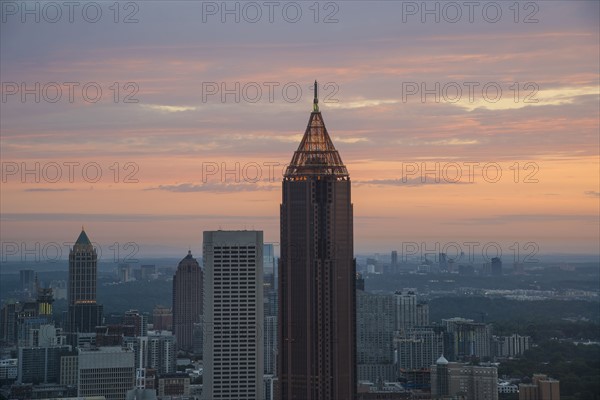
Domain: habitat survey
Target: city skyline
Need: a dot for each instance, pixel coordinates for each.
(437, 238)
(172, 131)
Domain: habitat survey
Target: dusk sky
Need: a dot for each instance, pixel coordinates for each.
(371, 65)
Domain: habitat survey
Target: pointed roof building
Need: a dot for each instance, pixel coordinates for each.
(83, 239)
(316, 154)
(316, 350)
(187, 301)
(84, 312)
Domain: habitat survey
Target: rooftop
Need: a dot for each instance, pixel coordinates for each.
(316, 154)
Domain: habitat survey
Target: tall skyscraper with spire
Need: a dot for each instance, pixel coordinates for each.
(187, 301)
(84, 312)
(317, 273)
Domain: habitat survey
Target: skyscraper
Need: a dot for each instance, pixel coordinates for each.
(405, 309)
(233, 315)
(317, 297)
(187, 301)
(84, 313)
(375, 331)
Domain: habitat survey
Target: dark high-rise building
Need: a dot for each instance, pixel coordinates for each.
(187, 301)
(496, 266)
(84, 313)
(394, 265)
(360, 282)
(317, 273)
(375, 332)
(443, 260)
(138, 320)
(27, 278)
(8, 323)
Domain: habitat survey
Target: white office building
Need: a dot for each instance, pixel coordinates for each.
(233, 315)
(106, 371)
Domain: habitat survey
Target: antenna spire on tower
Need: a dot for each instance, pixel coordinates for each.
(316, 99)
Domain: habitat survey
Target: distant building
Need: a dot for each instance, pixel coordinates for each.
(451, 265)
(187, 301)
(69, 369)
(464, 381)
(40, 364)
(233, 314)
(518, 268)
(443, 261)
(8, 323)
(374, 332)
(422, 314)
(394, 264)
(148, 272)
(84, 313)
(124, 273)
(162, 353)
(510, 346)
(469, 338)
(360, 282)
(405, 309)
(155, 351)
(162, 318)
(138, 320)
(198, 340)
(417, 348)
(496, 266)
(9, 370)
(173, 385)
(106, 371)
(505, 387)
(43, 335)
(271, 302)
(269, 267)
(45, 298)
(27, 321)
(27, 279)
(417, 380)
(541, 388)
(112, 335)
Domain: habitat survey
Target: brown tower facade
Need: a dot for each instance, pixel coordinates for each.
(187, 301)
(317, 296)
